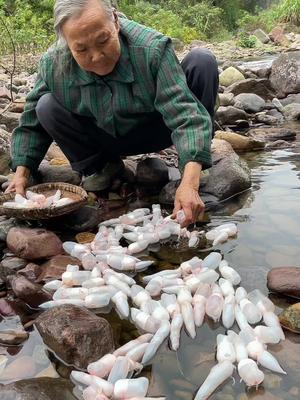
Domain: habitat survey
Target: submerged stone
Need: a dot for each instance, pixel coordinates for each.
(11, 265)
(285, 280)
(31, 293)
(38, 389)
(12, 331)
(55, 267)
(290, 318)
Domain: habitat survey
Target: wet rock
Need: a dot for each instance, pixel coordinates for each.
(285, 75)
(291, 98)
(33, 244)
(10, 119)
(263, 118)
(21, 368)
(226, 99)
(292, 111)
(238, 142)
(228, 115)
(290, 318)
(272, 134)
(3, 179)
(10, 266)
(5, 226)
(287, 354)
(31, 293)
(295, 391)
(278, 144)
(228, 177)
(31, 272)
(272, 381)
(261, 87)
(152, 171)
(249, 102)
(55, 267)
(258, 394)
(6, 310)
(230, 76)
(167, 194)
(58, 173)
(285, 280)
(261, 35)
(11, 331)
(38, 389)
(75, 334)
(49, 372)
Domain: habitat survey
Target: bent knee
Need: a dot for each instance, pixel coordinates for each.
(201, 57)
(44, 106)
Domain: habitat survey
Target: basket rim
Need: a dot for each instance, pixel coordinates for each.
(49, 212)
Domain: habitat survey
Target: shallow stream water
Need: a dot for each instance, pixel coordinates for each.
(268, 218)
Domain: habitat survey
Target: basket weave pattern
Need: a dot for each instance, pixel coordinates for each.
(76, 193)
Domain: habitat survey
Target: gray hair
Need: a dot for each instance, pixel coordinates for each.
(63, 11)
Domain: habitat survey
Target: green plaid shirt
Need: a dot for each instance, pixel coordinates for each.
(148, 78)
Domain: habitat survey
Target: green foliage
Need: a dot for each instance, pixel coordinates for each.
(30, 25)
(289, 11)
(160, 19)
(246, 40)
(264, 19)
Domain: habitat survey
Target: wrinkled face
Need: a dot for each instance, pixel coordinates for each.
(93, 38)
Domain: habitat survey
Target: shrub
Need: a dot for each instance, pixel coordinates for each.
(246, 40)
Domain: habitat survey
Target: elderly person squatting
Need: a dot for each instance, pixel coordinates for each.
(111, 87)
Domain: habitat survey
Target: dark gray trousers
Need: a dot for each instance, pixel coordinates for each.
(88, 147)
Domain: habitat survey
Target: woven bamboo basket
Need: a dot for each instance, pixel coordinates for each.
(76, 193)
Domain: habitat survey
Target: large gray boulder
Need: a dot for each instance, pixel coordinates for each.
(292, 111)
(228, 176)
(261, 87)
(285, 75)
(249, 102)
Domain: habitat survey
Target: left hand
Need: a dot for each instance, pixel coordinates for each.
(187, 198)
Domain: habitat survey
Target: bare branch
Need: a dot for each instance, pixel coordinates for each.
(11, 72)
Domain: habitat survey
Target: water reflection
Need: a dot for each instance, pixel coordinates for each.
(268, 219)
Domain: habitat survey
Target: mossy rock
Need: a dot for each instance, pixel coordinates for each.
(290, 318)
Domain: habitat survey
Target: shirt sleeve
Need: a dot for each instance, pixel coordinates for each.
(30, 141)
(183, 114)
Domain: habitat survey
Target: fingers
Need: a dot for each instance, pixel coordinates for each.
(177, 207)
(10, 188)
